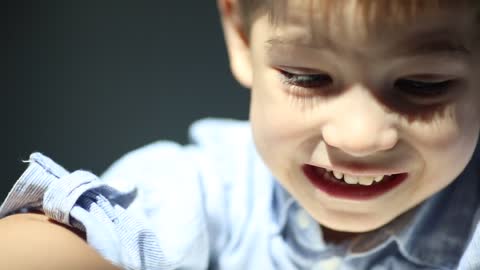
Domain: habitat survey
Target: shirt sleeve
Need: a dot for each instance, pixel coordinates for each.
(134, 217)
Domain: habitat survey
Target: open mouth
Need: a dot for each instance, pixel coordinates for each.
(348, 187)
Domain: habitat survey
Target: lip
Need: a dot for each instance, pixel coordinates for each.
(343, 190)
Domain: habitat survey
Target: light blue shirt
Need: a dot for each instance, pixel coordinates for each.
(214, 205)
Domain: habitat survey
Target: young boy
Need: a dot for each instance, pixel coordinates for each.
(359, 154)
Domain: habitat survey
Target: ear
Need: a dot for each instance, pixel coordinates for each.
(236, 41)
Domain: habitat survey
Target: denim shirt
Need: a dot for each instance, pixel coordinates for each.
(214, 205)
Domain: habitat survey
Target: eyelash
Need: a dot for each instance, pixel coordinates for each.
(424, 89)
(308, 85)
(305, 85)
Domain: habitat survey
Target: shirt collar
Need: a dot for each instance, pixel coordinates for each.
(442, 227)
(435, 232)
(432, 234)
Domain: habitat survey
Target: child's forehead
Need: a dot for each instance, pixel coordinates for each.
(371, 21)
(372, 9)
(368, 13)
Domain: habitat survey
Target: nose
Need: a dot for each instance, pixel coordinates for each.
(359, 126)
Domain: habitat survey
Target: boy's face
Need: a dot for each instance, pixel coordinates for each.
(387, 98)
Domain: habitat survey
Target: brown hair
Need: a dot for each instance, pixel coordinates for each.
(396, 10)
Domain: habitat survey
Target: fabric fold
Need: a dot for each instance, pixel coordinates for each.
(27, 194)
(81, 200)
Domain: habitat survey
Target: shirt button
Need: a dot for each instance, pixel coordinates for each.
(332, 263)
(303, 219)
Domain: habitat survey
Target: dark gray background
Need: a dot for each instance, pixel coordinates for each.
(86, 81)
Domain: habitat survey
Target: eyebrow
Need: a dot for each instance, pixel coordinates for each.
(438, 42)
(441, 42)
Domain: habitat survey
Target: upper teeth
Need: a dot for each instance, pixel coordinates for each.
(362, 180)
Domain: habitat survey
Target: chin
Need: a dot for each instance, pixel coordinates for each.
(353, 225)
(352, 228)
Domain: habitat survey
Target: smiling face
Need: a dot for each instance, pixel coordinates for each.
(362, 98)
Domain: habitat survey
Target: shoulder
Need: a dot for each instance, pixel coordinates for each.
(216, 130)
(218, 159)
(218, 175)
(212, 141)
(225, 148)
(188, 185)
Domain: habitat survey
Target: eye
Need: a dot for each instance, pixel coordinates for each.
(424, 88)
(305, 80)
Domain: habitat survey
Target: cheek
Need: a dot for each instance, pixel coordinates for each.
(446, 143)
(273, 126)
(455, 127)
(280, 116)
(278, 127)
(281, 125)
(272, 115)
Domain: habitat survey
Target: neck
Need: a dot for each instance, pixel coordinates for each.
(336, 237)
